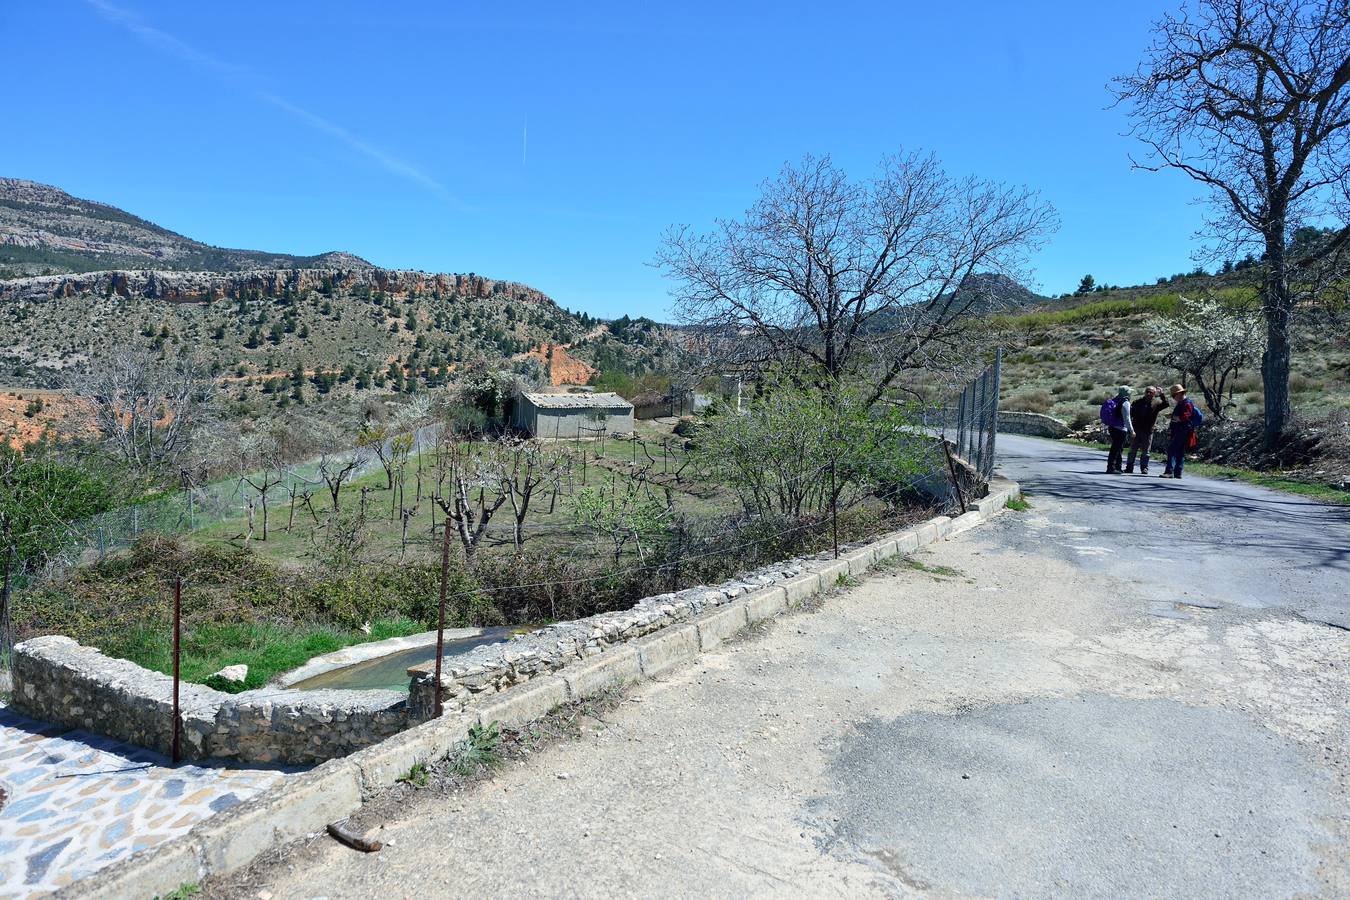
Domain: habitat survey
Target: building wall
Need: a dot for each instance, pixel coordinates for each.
(571, 423)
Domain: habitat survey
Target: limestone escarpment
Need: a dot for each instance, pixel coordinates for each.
(190, 287)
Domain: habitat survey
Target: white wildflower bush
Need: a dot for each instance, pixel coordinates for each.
(1209, 342)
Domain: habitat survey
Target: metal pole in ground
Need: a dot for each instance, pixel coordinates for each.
(177, 652)
(440, 617)
(961, 423)
(993, 430)
(834, 510)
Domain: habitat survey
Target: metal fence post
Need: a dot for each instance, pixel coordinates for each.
(984, 401)
(961, 424)
(993, 429)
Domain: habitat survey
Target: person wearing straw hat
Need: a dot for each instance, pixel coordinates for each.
(1185, 419)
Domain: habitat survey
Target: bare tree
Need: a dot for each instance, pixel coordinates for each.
(838, 276)
(476, 477)
(147, 409)
(531, 467)
(262, 468)
(1251, 98)
(338, 464)
(374, 438)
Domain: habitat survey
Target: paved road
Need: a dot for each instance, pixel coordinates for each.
(1053, 706)
(1227, 541)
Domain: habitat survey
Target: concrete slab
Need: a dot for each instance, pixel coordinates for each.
(667, 649)
(611, 669)
(304, 803)
(383, 764)
(523, 703)
(800, 588)
(766, 603)
(716, 627)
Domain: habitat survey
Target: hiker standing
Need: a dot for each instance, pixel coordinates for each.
(1116, 418)
(1144, 416)
(1186, 418)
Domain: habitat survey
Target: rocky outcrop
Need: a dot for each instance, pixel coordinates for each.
(200, 287)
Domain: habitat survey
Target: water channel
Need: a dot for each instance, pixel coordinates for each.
(390, 672)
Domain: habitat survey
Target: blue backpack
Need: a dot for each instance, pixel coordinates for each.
(1197, 417)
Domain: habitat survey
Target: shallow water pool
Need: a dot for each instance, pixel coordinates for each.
(391, 672)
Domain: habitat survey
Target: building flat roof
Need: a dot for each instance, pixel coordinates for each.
(578, 401)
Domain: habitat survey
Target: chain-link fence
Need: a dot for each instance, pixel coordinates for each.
(290, 491)
(970, 421)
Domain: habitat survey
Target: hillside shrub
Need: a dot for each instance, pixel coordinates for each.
(1028, 401)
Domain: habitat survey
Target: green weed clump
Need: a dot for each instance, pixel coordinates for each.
(478, 752)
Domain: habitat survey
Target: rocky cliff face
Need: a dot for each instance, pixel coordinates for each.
(195, 287)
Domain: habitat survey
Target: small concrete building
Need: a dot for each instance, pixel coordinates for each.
(569, 416)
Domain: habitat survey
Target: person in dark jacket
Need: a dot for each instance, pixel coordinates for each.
(1144, 416)
(1184, 420)
(1116, 418)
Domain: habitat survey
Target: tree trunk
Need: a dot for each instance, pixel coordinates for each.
(1277, 306)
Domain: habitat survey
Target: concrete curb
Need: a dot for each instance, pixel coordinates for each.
(305, 804)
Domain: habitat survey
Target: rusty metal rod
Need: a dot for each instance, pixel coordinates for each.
(177, 655)
(440, 618)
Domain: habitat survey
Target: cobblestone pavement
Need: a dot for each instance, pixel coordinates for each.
(77, 802)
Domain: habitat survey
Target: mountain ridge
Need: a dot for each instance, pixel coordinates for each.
(46, 231)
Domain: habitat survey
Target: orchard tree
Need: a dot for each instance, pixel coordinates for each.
(833, 276)
(1251, 98)
(147, 409)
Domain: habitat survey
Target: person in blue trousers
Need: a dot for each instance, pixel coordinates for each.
(1185, 419)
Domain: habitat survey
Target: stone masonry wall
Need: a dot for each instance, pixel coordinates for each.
(496, 667)
(61, 681)
(1034, 424)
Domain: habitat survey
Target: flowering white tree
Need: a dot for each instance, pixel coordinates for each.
(1209, 343)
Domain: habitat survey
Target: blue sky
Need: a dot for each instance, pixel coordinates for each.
(552, 143)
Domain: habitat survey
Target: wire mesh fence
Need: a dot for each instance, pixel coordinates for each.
(970, 421)
(204, 506)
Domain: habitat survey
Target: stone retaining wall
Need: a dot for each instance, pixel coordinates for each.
(492, 668)
(58, 680)
(1034, 424)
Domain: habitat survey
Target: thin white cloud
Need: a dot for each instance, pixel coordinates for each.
(167, 43)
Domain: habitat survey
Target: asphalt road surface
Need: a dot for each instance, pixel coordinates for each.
(1230, 542)
(1134, 688)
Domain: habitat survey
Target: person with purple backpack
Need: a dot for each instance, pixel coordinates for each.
(1116, 417)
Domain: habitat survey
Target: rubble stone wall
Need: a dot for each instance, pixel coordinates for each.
(60, 681)
(1034, 424)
